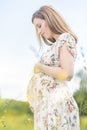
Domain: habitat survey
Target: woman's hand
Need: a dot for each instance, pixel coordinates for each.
(37, 68)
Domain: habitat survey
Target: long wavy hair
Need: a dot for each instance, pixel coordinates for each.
(55, 22)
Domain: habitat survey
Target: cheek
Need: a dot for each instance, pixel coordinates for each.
(49, 33)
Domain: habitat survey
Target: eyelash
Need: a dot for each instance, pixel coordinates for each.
(39, 26)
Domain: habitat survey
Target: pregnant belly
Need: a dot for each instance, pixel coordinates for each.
(41, 80)
(42, 86)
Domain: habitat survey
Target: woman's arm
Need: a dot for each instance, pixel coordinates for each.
(65, 72)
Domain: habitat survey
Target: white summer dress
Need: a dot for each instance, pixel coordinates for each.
(53, 105)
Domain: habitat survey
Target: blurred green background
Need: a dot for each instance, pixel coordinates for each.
(15, 115)
(81, 97)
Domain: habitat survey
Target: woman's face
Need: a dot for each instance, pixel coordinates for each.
(43, 28)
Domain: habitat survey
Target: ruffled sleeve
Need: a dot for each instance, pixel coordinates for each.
(69, 40)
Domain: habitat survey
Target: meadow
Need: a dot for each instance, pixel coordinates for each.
(16, 115)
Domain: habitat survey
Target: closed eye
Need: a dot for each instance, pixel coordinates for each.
(39, 26)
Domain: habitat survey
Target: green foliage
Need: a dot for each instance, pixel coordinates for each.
(12, 105)
(81, 94)
(15, 115)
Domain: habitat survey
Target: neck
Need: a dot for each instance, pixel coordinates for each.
(56, 36)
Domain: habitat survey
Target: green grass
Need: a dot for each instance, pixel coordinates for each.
(16, 115)
(83, 121)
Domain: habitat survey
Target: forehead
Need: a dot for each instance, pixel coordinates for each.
(38, 21)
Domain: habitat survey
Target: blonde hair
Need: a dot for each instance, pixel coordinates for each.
(54, 20)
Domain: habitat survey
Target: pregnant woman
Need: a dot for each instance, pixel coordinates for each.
(48, 94)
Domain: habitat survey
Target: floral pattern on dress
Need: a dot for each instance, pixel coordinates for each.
(53, 105)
